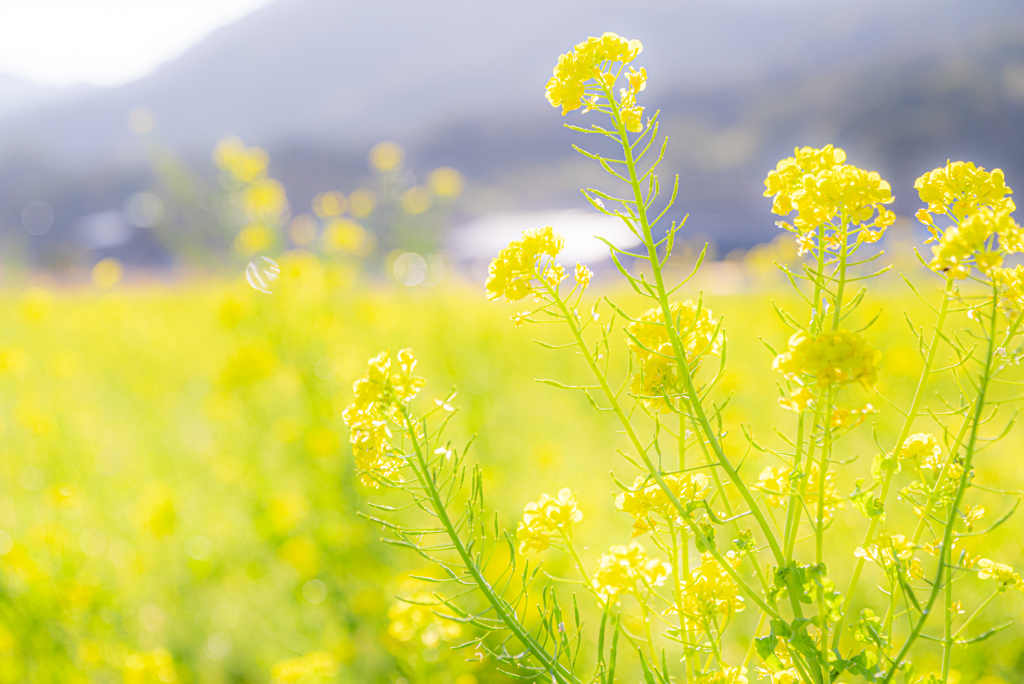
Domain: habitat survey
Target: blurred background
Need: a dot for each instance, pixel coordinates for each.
(212, 212)
(129, 100)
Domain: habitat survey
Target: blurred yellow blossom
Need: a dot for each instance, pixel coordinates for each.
(547, 517)
(622, 567)
(418, 617)
(362, 202)
(647, 497)
(308, 669)
(107, 273)
(150, 667)
(446, 182)
(328, 204)
(386, 156)
(254, 238)
(831, 358)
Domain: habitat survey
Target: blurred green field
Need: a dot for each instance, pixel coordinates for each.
(177, 498)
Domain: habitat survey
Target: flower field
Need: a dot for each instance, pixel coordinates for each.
(179, 501)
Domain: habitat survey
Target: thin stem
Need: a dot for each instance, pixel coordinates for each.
(908, 424)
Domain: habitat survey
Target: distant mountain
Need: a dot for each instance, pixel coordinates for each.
(902, 84)
(343, 72)
(19, 97)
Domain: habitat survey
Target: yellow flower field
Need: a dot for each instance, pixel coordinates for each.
(179, 501)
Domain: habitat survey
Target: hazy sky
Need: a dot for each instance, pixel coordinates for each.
(104, 42)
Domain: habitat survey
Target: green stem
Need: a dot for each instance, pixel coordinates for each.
(422, 470)
(945, 553)
(975, 614)
(692, 396)
(641, 451)
(915, 406)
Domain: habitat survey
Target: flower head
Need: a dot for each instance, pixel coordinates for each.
(820, 187)
(515, 270)
(380, 395)
(1001, 573)
(619, 571)
(710, 591)
(545, 518)
(981, 240)
(922, 449)
(567, 87)
(647, 498)
(959, 188)
(831, 358)
(657, 374)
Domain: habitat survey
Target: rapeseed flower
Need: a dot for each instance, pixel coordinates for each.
(545, 518)
(922, 450)
(658, 372)
(820, 187)
(776, 482)
(566, 88)
(380, 394)
(514, 270)
(647, 497)
(1001, 573)
(829, 359)
(726, 674)
(981, 240)
(959, 188)
(711, 591)
(622, 567)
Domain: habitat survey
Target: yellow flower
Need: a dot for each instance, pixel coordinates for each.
(776, 482)
(583, 275)
(972, 239)
(832, 358)
(821, 188)
(773, 482)
(922, 449)
(892, 552)
(546, 517)
(647, 497)
(649, 340)
(379, 397)
(1003, 574)
(710, 591)
(264, 199)
(566, 88)
(959, 188)
(619, 570)
(514, 270)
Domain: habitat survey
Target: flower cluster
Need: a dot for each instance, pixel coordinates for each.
(379, 395)
(514, 270)
(895, 554)
(567, 88)
(922, 450)
(619, 570)
(821, 188)
(829, 359)
(710, 591)
(647, 497)
(982, 238)
(959, 188)
(776, 482)
(546, 517)
(658, 372)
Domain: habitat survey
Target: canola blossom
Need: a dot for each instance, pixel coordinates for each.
(513, 272)
(821, 189)
(591, 62)
(545, 518)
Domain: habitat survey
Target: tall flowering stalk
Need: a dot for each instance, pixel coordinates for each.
(695, 507)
